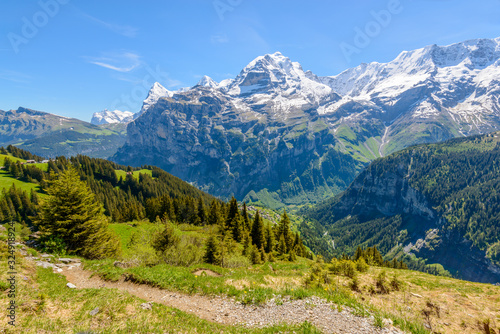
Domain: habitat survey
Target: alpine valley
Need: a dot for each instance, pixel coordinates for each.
(279, 135)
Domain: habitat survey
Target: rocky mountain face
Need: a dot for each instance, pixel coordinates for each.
(50, 135)
(427, 200)
(124, 117)
(277, 134)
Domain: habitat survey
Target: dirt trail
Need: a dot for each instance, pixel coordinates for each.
(323, 315)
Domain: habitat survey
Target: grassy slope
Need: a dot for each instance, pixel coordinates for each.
(47, 305)
(448, 305)
(123, 174)
(6, 181)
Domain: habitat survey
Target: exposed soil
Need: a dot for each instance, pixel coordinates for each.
(325, 316)
(207, 272)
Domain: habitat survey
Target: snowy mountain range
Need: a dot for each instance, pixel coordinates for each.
(112, 117)
(426, 95)
(274, 113)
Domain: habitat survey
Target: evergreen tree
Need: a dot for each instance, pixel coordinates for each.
(214, 213)
(282, 245)
(246, 219)
(270, 239)
(258, 238)
(202, 215)
(283, 229)
(72, 214)
(212, 252)
(166, 239)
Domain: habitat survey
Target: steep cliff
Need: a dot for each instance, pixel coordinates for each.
(202, 137)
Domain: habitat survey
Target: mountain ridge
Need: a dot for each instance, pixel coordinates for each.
(277, 105)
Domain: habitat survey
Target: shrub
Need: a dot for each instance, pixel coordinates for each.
(53, 245)
(237, 261)
(381, 282)
(361, 265)
(254, 255)
(335, 266)
(165, 239)
(395, 283)
(349, 269)
(354, 284)
(32, 252)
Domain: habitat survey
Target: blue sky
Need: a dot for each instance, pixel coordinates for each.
(75, 57)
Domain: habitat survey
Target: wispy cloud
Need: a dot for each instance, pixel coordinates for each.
(121, 62)
(124, 30)
(14, 76)
(219, 39)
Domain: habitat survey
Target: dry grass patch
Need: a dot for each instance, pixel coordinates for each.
(443, 305)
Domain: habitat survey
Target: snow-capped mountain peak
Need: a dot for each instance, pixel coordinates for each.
(155, 93)
(111, 117)
(277, 77)
(206, 81)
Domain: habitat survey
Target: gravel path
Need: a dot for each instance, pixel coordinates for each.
(322, 314)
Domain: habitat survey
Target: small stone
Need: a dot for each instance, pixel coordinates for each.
(146, 306)
(68, 260)
(387, 322)
(94, 311)
(71, 285)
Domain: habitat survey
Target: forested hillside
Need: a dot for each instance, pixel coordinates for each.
(129, 194)
(440, 202)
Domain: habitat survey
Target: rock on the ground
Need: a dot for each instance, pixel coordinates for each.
(71, 285)
(44, 264)
(146, 306)
(94, 311)
(68, 260)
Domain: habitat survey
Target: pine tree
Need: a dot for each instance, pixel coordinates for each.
(258, 231)
(212, 252)
(270, 239)
(214, 213)
(202, 215)
(72, 214)
(358, 254)
(282, 245)
(232, 210)
(246, 219)
(283, 229)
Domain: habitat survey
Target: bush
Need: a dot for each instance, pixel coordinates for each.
(32, 252)
(354, 284)
(361, 265)
(237, 261)
(343, 267)
(166, 239)
(254, 255)
(381, 282)
(53, 245)
(317, 277)
(349, 269)
(395, 283)
(335, 266)
(143, 254)
(189, 251)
